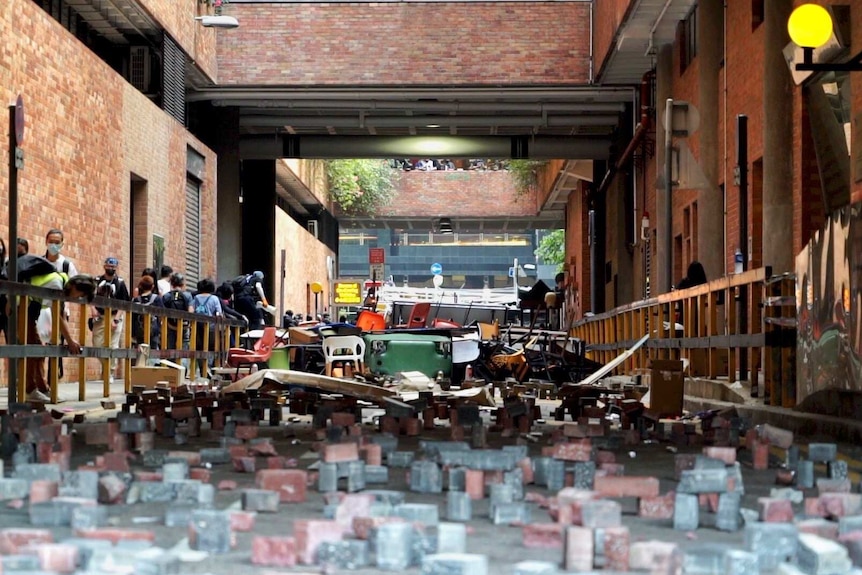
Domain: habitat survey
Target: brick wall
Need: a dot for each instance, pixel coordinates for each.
(178, 19)
(87, 132)
(404, 43)
(461, 194)
(306, 263)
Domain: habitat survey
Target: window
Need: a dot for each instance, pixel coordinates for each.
(688, 40)
(756, 13)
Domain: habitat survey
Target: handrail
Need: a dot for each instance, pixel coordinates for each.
(126, 352)
(738, 326)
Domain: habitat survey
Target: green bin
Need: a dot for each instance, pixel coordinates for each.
(280, 358)
(391, 353)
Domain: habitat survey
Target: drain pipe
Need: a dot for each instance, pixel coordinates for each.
(640, 132)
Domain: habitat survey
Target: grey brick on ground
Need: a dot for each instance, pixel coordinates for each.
(455, 564)
(707, 480)
(432, 449)
(209, 530)
(686, 512)
(80, 484)
(820, 556)
(20, 564)
(388, 496)
(156, 561)
(155, 457)
(346, 554)
(451, 537)
(355, 476)
(849, 523)
(728, 517)
(704, 462)
(393, 545)
(56, 512)
(515, 513)
(178, 515)
(601, 513)
(822, 452)
(263, 500)
(378, 474)
(515, 480)
(426, 477)
(794, 495)
(535, 568)
(156, 491)
(327, 477)
(500, 493)
(424, 513)
(175, 470)
(540, 470)
(585, 474)
(191, 491)
(215, 455)
(89, 517)
(773, 543)
(387, 442)
(459, 506)
(738, 562)
(424, 542)
(11, 488)
(25, 453)
(792, 457)
(734, 477)
(704, 559)
(400, 459)
(457, 478)
(556, 474)
(519, 451)
(805, 474)
(837, 469)
(38, 472)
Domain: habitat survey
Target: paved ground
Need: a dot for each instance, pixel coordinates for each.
(501, 544)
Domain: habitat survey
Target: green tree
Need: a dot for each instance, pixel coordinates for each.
(552, 248)
(525, 173)
(361, 186)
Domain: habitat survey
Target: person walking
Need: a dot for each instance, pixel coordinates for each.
(250, 299)
(178, 330)
(110, 285)
(207, 303)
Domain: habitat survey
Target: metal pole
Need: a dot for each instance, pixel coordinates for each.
(668, 191)
(12, 328)
(742, 295)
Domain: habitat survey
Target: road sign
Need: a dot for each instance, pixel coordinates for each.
(376, 256)
(686, 119)
(348, 293)
(511, 271)
(438, 281)
(376, 271)
(436, 269)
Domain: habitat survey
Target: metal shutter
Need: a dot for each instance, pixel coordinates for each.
(193, 233)
(174, 80)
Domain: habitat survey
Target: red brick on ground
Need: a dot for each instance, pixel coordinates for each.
(372, 453)
(760, 455)
(363, 526)
(12, 540)
(291, 484)
(310, 533)
(773, 510)
(579, 450)
(628, 486)
(617, 548)
(116, 534)
(273, 551)
(242, 520)
(41, 491)
(338, 452)
(543, 535)
(475, 483)
(827, 529)
(655, 557)
(660, 507)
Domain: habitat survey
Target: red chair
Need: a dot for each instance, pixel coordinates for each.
(418, 315)
(370, 321)
(240, 357)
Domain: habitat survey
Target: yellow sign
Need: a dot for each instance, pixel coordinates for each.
(316, 287)
(348, 293)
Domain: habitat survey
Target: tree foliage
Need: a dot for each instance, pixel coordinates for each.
(525, 173)
(361, 186)
(552, 248)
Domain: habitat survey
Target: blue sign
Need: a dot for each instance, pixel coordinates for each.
(511, 271)
(436, 269)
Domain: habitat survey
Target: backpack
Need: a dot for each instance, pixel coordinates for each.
(30, 266)
(201, 305)
(138, 321)
(242, 285)
(174, 299)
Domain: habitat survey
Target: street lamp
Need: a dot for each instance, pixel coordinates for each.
(810, 27)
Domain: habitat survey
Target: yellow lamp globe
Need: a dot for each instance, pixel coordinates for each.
(810, 26)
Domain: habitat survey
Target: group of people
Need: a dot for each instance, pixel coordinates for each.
(433, 164)
(241, 298)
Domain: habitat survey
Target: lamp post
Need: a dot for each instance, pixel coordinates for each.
(810, 27)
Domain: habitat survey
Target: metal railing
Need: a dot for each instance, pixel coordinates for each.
(221, 329)
(737, 327)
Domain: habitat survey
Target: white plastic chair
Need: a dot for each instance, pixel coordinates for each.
(343, 348)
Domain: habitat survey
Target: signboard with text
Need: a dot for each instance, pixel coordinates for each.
(376, 271)
(348, 293)
(376, 256)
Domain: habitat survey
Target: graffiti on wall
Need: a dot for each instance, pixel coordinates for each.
(829, 307)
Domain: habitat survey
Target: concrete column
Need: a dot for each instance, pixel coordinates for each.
(710, 235)
(663, 91)
(777, 141)
(258, 220)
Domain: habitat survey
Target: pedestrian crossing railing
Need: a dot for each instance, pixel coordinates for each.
(740, 327)
(219, 332)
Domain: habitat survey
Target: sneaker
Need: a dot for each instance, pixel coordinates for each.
(37, 395)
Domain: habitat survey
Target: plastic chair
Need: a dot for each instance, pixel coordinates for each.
(418, 315)
(343, 348)
(370, 321)
(239, 357)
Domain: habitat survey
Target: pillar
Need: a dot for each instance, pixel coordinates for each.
(258, 219)
(777, 140)
(710, 203)
(663, 91)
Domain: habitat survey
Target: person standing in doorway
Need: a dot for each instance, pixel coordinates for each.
(112, 286)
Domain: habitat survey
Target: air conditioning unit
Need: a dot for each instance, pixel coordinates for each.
(312, 227)
(139, 67)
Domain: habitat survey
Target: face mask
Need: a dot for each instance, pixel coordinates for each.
(110, 272)
(54, 249)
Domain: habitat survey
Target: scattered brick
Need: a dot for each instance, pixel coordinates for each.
(291, 484)
(543, 535)
(12, 540)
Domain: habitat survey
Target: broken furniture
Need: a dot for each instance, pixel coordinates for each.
(343, 349)
(239, 357)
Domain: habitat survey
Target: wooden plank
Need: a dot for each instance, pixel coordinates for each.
(321, 382)
(609, 367)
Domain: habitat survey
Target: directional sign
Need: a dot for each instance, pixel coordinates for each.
(376, 271)
(436, 269)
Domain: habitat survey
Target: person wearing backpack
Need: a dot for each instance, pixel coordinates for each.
(53, 245)
(179, 299)
(249, 297)
(112, 286)
(206, 303)
(148, 297)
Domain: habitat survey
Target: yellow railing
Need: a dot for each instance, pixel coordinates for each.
(219, 328)
(741, 325)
